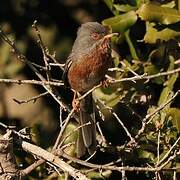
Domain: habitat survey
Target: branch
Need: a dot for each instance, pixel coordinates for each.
(44, 82)
(132, 140)
(55, 160)
(34, 99)
(56, 145)
(140, 77)
(170, 150)
(112, 167)
(44, 50)
(151, 115)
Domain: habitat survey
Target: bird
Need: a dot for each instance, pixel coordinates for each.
(85, 68)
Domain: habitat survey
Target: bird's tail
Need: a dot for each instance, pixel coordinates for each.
(87, 133)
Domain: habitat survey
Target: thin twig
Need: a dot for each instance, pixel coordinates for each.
(88, 92)
(126, 130)
(112, 167)
(115, 69)
(74, 130)
(30, 168)
(44, 50)
(60, 116)
(103, 141)
(6, 126)
(57, 64)
(170, 159)
(158, 145)
(140, 77)
(133, 72)
(170, 150)
(30, 99)
(119, 120)
(57, 143)
(157, 110)
(19, 81)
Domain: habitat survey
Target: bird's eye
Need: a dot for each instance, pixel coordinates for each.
(95, 36)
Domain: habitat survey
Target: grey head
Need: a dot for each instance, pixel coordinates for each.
(88, 34)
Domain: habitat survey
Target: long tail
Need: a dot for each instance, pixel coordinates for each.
(87, 133)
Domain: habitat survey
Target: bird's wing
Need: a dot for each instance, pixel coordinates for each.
(66, 69)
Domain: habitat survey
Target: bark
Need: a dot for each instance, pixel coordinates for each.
(8, 167)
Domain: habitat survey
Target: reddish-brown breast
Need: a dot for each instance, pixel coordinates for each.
(90, 69)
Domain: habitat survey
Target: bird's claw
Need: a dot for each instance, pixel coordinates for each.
(75, 104)
(105, 83)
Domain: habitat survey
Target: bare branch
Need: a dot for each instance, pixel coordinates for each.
(140, 77)
(30, 99)
(170, 150)
(44, 82)
(58, 140)
(116, 168)
(44, 50)
(118, 119)
(55, 160)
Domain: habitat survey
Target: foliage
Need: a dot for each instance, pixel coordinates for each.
(157, 55)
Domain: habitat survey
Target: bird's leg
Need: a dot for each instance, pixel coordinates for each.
(104, 83)
(75, 102)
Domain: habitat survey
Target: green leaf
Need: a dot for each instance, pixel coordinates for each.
(131, 46)
(165, 94)
(143, 154)
(124, 7)
(111, 96)
(109, 3)
(171, 4)
(154, 12)
(169, 85)
(178, 165)
(152, 69)
(152, 34)
(172, 80)
(99, 175)
(70, 136)
(121, 23)
(175, 114)
(171, 63)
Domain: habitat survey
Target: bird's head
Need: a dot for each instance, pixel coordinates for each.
(88, 35)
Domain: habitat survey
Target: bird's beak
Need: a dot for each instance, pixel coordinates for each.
(108, 36)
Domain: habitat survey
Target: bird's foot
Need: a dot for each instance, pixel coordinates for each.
(105, 83)
(75, 103)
